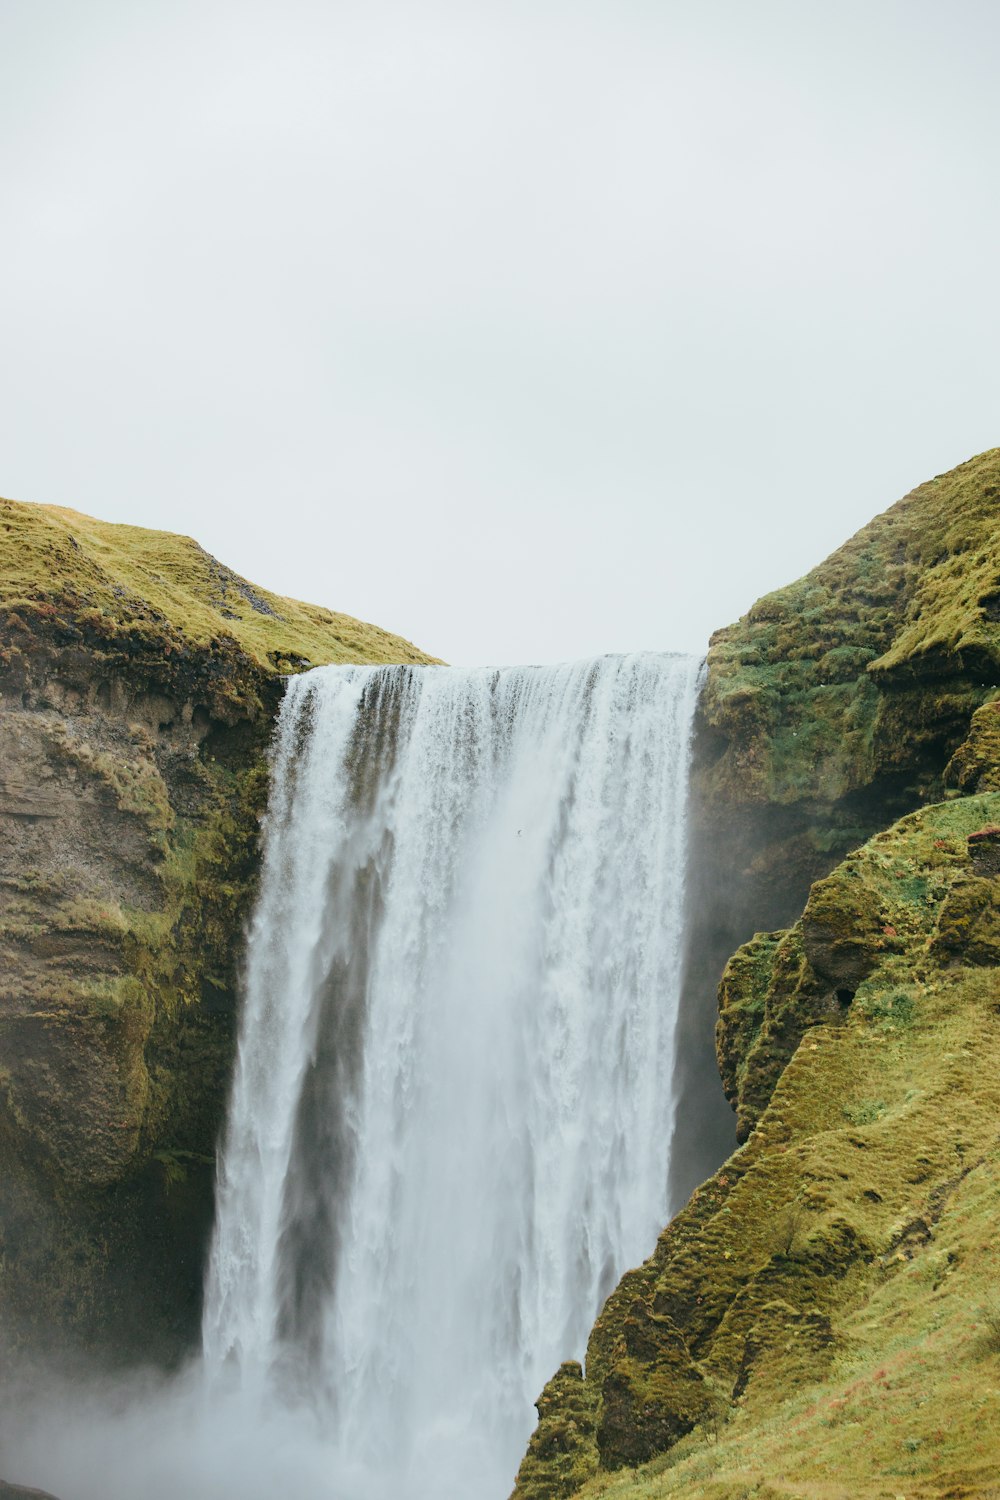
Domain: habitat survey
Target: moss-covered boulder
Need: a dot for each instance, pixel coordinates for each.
(138, 682)
(653, 1392)
(975, 766)
(562, 1454)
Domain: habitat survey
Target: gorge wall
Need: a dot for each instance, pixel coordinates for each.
(831, 709)
(139, 679)
(820, 1309)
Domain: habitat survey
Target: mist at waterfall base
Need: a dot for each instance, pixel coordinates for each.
(449, 1127)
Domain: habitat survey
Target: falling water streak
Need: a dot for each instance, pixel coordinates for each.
(449, 1123)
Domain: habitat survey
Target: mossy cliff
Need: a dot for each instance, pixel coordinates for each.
(139, 678)
(833, 707)
(823, 1317)
(837, 703)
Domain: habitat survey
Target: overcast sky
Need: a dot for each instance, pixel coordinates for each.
(528, 330)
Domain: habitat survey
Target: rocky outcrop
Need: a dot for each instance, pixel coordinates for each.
(138, 681)
(562, 1454)
(821, 1306)
(835, 706)
(837, 703)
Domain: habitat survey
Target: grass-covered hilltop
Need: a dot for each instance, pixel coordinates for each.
(139, 678)
(823, 1318)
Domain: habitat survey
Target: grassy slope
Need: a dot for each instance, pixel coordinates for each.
(883, 1133)
(837, 1283)
(131, 576)
(911, 1404)
(915, 594)
(823, 1319)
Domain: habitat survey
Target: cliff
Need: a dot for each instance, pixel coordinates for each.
(822, 1316)
(833, 708)
(138, 681)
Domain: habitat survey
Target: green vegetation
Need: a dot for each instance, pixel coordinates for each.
(800, 683)
(975, 766)
(133, 782)
(828, 1283)
(834, 705)
(138, 682)
(106, 579)
(820, 1321)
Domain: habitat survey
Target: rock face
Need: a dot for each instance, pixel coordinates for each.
(138, 681)
(821, 1307)
(838, 702)
(835, 706)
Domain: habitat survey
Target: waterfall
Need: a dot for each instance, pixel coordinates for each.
(451, 1110)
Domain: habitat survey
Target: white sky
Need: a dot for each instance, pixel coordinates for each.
(529, 330)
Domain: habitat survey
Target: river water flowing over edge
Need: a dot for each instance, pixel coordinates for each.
(449, 1124)
(450, 1118)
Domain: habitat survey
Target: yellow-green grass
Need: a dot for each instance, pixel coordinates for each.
(912, 601)
(61, 562)
(921, 577)
(909, 1401)
(837, 1282)
(910, 1408)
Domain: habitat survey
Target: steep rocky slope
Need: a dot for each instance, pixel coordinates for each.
(822, 1318)
(138, 681)
(836, 703)
(831, 709)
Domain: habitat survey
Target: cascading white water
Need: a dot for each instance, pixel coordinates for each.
(450, 1119)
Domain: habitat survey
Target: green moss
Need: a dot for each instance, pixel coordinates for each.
(864, 1113)
(853, 1231)
(80, 572)
(653, 1392)
(132, 780)
(562, 1454)
(177, 1164)
(103, 919)
(914, 593)
(785, 996)
(874, 905)
(743, 994)
(139, 680)
(969, 924)
(835, 705)
(116, 999)
(975, 766)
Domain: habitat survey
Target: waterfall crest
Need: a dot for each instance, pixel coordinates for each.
(451, 1111)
